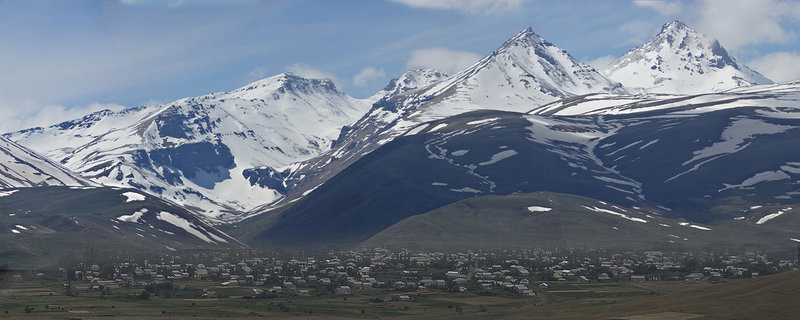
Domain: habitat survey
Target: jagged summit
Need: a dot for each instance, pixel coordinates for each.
(286, 82)
(410, 80)
(526, 37)
(681, 60)
(674, 25)
(525, 72)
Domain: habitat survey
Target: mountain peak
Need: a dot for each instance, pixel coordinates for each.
(681, 60)
(525, 72)
(526, 37)
(289, 81)
(674, 26)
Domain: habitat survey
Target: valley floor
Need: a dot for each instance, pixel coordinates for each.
(768, 297)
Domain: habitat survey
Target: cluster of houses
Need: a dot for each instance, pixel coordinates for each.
(347, 272)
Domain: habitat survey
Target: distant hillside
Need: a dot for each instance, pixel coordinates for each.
(549, 220)
(41, 225)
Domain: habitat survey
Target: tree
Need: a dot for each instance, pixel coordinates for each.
(144, 295)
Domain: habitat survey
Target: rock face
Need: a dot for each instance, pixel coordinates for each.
(202, 152)
(679, 60)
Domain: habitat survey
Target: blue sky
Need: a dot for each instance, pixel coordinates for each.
(61, 59)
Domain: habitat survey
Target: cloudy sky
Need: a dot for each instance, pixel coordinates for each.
(62, 59)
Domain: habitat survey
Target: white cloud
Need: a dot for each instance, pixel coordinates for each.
(29, 114)
(601, 62)
(258, 73)
(778, 66)
(306, 71)
(442, 59)
(665, 8)
(176, 4)
(368, 74)
(735, 23)
(640, 31)
(469, 6)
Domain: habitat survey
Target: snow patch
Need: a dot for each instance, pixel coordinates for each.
(734, 137)
(686, 224)
(477, 122)
(133, 217)
(7, 193)
(437, 127)
(757, 178)
(772, 216)
(466, 189)
(82, 188)
(21, 227)
(539, 209)
(310, 191)
(438, 184)
(497, 157)
(648, 144)
(416, 130)
(183, 224)
(621, 215)
(133, 196)
(459, 153)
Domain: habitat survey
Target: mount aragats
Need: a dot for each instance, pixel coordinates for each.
(674, 144)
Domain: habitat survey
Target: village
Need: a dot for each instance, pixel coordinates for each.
(398, 274)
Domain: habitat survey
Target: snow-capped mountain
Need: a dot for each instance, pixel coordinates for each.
(523, 73)
(206, 152)
(710, 161)
(679, 60)
(21, 167)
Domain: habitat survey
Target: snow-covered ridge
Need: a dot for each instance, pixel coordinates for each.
(201, 151)
(774, 100)
(22, 167)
